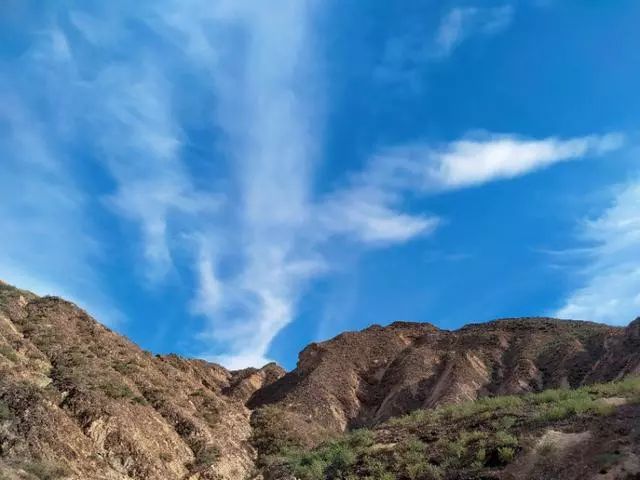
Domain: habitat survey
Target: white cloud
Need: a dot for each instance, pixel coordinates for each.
(474, 161)
(141, 145)
(369, 208)
(471, 162)
(263, 89)
(461, 23)
(611, 289)
(44, 246)
(369, 211)
(255, 231)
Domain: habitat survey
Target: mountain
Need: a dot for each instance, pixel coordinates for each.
(79, 401)
(362, 378)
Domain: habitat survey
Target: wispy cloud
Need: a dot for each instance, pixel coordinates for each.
(371, 214)
(611, 279)
(141, 145)
(370, 207)
(410, 54)
(461, 23)
(470, 161)
(45, 215)
(244, 217)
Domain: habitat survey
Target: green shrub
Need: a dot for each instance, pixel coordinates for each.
(5, 411)
(331, 460)
(505, 439)
(479, 458)
(124, 367)
(8, 353)
(506, 454)
(412, 461)
(44, 470)
(504, 423)
(627, 386)
(116, 390)
(270, 435)
(455, 451)
(602, 409)
(207, 456)
(361, 438)
(373, 469)
(571, 405)
(466, 437)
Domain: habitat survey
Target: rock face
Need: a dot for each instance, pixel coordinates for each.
(78, 401)
(77, 398)
(363, 378)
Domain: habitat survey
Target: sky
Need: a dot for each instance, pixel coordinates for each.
(234, 179)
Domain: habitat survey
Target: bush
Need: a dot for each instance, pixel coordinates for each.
(504, 423)
(43, 470)
(506, 454)
(479, 458)
(331, 460)
(207, 456)
(574, 405)
(124, 367)
(5, 411)
(116, 390)
(8, 353)
(413, 462)
(505, 439)
(270, 435)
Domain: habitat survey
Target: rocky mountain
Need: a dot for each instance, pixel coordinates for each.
(78, 401)
(363, 378)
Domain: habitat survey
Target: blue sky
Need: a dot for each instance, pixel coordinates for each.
(234, 179)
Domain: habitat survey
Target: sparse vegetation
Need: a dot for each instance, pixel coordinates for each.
(270, 435)
(116, 390)
(207, 456)
(8, 353)
(123, 367)
(425, 444)
(332, 459)
(506, 454)
(73, 378)
(44, 470)
(5, 412)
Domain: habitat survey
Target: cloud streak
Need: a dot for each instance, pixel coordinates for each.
(245, 217)
(611, 279)
(461, 23)
(470, 161)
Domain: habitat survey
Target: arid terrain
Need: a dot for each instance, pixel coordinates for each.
(515, 398)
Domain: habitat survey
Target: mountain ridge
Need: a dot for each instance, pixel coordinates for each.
(78, 399)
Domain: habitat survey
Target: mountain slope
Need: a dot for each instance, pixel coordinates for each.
(79, 397)
(363, 378)
(590, 433)
(78, 401)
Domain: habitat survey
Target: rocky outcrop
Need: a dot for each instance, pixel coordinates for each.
(76, 396)
(363, 378)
